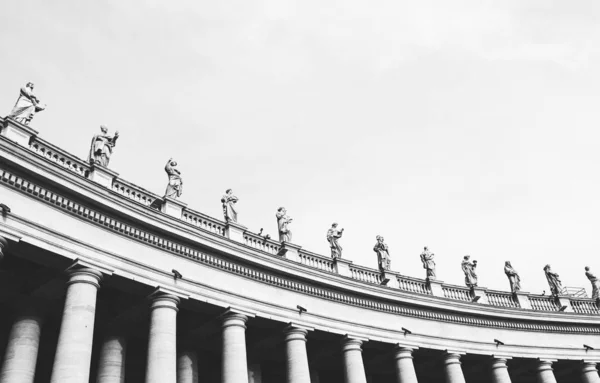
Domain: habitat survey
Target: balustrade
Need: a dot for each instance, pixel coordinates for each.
(59, 156)
(413, 285)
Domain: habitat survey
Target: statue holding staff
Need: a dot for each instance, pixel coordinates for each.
(468, 268)
(428, 262)
(513, 277)
(101, 147)
(285, 234)
(27, 105)
(229, 210)
(175, 186)
(594, 280)
(553, 281)
(383, 255)
(333, 235)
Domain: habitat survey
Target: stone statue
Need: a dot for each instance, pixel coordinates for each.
(553, 281)
(428, 262)
(468, 268)
(333, 234)
(285, 234)
(175, 186)
(513, 277)
(27, 105)
(102, 147)
(594, 281)
(383, 255)
(229, 201)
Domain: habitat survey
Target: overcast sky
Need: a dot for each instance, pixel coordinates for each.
(471, 127)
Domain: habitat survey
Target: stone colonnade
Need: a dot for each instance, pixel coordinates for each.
(166, 365)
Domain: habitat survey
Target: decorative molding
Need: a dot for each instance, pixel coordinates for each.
(126, 229)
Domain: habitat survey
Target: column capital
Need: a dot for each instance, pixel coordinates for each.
(588, 366)
(452, 357)
(235, 317)
(545, 364)
(295, 331)
(498, 362)
(159, 299)
(84, 275)
(352, 342)
(403, 352)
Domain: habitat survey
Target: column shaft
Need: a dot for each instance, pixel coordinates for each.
(354, 369)
(452, 369)
(589, 372)
(405, 369)
(297, 370)
(74, 346)
(544, 372)
(161, 366)
(187, 367)
(111, 367)
(22, 349)
(500, 371)
(234, 365)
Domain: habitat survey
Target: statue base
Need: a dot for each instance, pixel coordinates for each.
(102, 175)
(172, 207)
(17, 132)
(479, 295)
(290, 251)
(389, 279)
(435, 286)
(342, 267)
(235, 231)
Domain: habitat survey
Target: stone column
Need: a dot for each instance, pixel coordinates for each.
(187, 367)
(589, 372)
(234, 365)
(22, 348)
(544, 371)
(500, 370)
(354, 370)
(452, 368)
(111, 367)
(297, 370)
(161, 365)
(405, 369)
(3, 246)
(74, 346)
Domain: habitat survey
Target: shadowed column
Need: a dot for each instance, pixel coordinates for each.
(354, 370)
(297, 370)
(544, 372)
(499, 370)
(234, 365)
(405, 369)
(589, 372)
(161, 366)
(187, 367)
(111, 367)
(452, 369)
(74, 346)
(23, 344)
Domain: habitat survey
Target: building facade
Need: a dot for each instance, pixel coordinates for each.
(96, 285)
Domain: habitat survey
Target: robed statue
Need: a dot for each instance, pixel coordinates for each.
(513, 277)
(101, 147)
(553, 281)
(175, 186)
(383, 254)
(229, 201)
(27, 105)
(594, 281)
(427, 258)
(285, 234)
(333, 235)
(468, 268)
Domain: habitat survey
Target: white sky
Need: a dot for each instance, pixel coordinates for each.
(467, 126)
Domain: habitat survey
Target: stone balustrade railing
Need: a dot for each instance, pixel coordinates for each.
(316, 261)
(58, 156)
(27, 137)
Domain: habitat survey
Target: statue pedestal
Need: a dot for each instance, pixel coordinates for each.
(235, 231)
(172, 207)
(435, 286)
(523, 299)
(290, 251)
(479, 294)
(389, 279)
(564, 303)
(17, 132)
(102, 175)
(342, 267)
